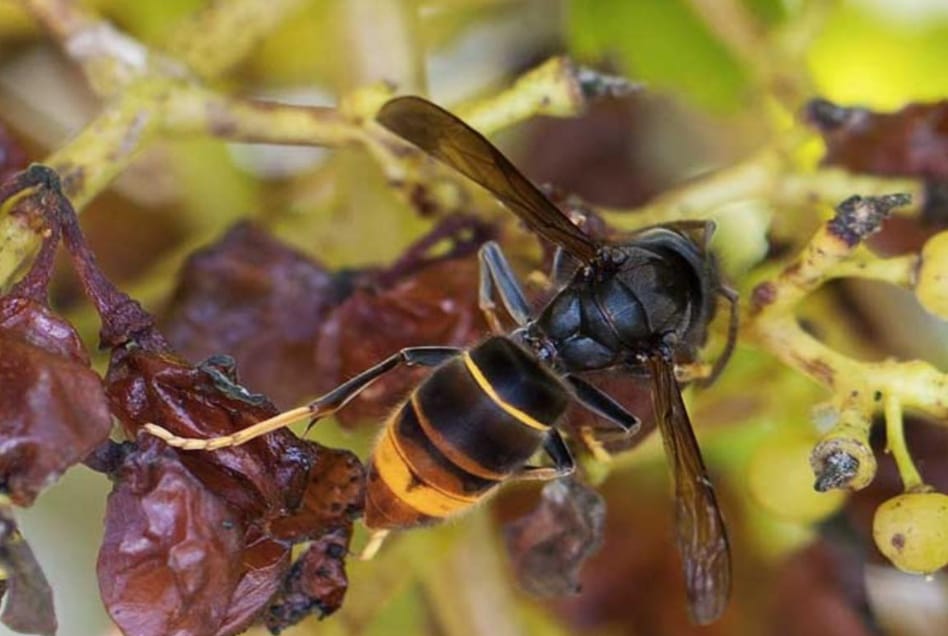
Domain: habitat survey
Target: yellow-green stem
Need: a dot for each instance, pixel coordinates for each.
(224, 32)
(895, 441)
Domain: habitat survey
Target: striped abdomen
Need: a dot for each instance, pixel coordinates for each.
(472, 423)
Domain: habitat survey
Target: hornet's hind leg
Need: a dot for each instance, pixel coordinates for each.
(317, 409)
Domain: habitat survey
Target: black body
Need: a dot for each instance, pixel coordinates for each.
(640, 304)
(467, 422)
(657, 288)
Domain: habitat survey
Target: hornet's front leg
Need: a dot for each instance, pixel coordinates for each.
(497, 274)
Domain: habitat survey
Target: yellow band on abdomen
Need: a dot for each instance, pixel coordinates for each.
(510, 409)
(394, 471)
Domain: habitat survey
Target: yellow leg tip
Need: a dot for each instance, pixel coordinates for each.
(158, 431)
(373, 545)
(594, 445)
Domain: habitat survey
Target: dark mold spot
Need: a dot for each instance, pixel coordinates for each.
(898, 541)
(763, 295)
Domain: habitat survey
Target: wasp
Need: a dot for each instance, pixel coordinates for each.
(481, 415)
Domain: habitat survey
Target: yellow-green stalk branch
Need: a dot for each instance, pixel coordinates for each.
(895, 443)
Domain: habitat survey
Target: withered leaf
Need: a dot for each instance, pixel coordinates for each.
(258, 300)
(334, 496)
(434, 306)
(909, 142)
(316, 583)
(550, 544)
(261, 479)
(28, 606)
(53, 410)
(265, 563)
(279, 489)
(170, 559)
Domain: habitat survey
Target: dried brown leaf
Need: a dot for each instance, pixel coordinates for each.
(909, 142)
(170, 559)
(549, 545)
(53, 410)
(435, 306)
(29, 599)
(261, 302)
(316, 583)
(279, 489)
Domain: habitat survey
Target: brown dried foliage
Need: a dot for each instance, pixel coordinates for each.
(171, 557)
(420, 300)
(549, 545)
(276, 491)
(261, 302)
(909, 142)
(437, 305)
(195, 543)
(315, 584)
(28, 605)
(53, 410)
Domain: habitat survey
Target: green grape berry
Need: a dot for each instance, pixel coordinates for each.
(780, 479)
(931, 287)
(911, 530)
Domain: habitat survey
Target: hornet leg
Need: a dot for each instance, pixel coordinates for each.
(318, 408)
(604, 406)
(731, 297)
(563, 463)
(495, 270)
(372, 546)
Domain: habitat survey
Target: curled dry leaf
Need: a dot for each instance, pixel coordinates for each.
(549, 545)
(53, 410)
(332, 499)
(259, 300)
(278, 489)
(261, 479)
(189, 546)
(910, 142)
(434, 306)
(264, 564)
(170, 559)
(424, 298)
(316, 583)
(601, 164)
(28, 606)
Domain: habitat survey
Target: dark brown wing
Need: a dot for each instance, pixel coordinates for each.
(702, 537)
(450, 140)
